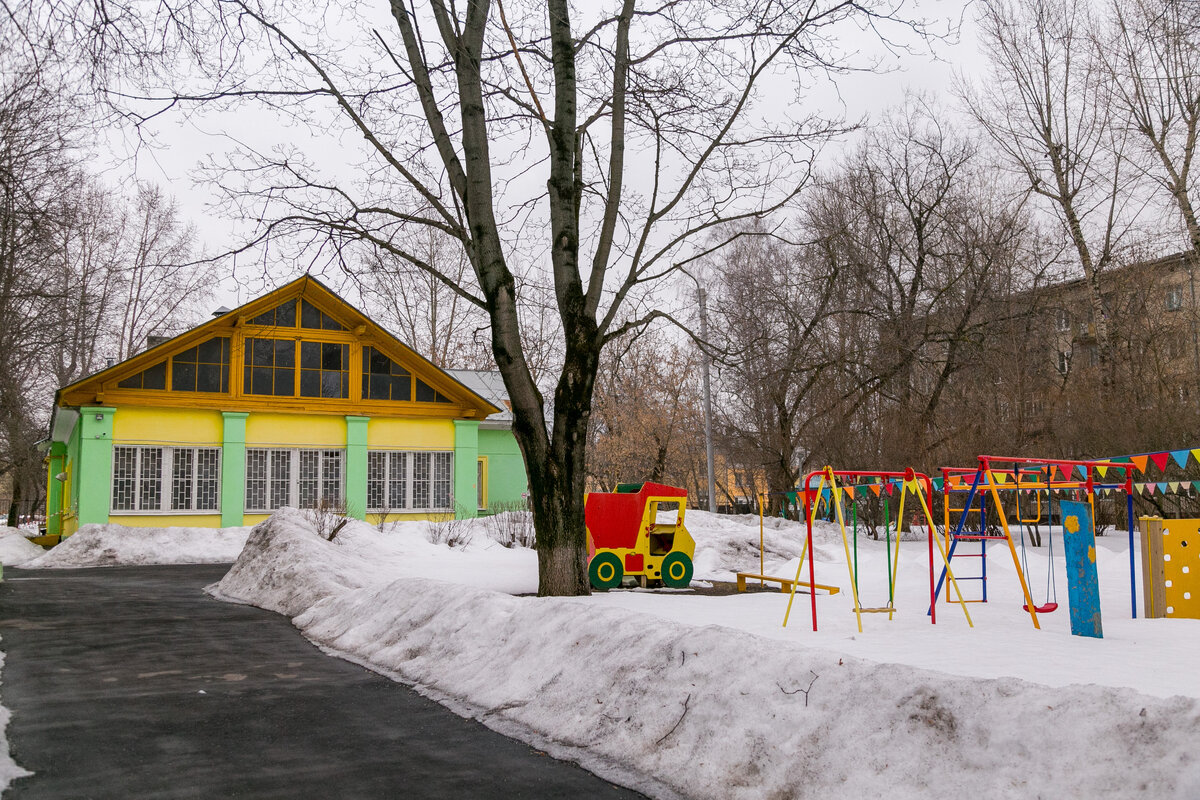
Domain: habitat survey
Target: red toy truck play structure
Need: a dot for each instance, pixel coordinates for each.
(638, 530)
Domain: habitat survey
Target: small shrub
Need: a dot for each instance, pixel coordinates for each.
(511, 524)
(452, 532)
(328, 517)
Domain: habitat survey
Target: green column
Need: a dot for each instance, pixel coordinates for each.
(94, 475)
(356, 467)
(466, 454)
(56, 462)
(233, 469)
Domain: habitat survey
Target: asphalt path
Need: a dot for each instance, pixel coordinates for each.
(129, 682)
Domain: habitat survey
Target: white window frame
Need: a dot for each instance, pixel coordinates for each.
(1062, 320)
(1174, 300)
(165, 479)
(427, 473)
(281, 490)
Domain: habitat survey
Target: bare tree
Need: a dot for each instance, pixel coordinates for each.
(429, 316)
(1043, 105)
(1150, 52)
(470, 112)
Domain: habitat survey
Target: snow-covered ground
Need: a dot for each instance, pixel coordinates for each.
(15, 547)
(685, 695)
(114, 545)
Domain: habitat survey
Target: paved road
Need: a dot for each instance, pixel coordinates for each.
(130, 683)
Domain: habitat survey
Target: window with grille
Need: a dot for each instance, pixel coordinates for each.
(407, 481)
(1174, 298)
(282, 316)
(313, 317)
(302, 478)
(166, 479)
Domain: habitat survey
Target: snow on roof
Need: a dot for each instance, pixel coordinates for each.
(488, 384)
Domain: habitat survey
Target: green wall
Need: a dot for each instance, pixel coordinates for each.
(507, 481)
(94, 473)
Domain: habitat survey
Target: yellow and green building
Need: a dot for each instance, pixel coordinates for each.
(293, 399)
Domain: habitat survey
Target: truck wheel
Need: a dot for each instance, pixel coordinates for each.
(676, 570)
(605, 571)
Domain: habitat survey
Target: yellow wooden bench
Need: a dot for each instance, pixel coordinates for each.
(785, 584)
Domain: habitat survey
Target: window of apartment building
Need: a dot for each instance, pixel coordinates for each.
(1063, 362)
(1062, 320)
(409, 481)
(1174, 298)
(166, 479)
(304, 478)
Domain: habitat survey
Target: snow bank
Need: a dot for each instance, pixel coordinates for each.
(9, 770)
(708, 711)
(15, 547)
(115, 545)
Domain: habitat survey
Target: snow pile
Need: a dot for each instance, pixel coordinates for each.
(15, 547)
(677, 708)
(9, 770)
(115, 545)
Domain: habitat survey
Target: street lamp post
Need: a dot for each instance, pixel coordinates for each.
(708, 439)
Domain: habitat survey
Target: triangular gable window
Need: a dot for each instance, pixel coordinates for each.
(151, 378)
(282, 316)
(315, 318)
(427, 394)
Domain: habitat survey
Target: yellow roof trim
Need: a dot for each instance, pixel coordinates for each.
(358, 325)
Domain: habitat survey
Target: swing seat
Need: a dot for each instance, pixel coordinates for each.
(1044, 608)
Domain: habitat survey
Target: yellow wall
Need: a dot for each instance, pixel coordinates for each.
(295, 429)
(167, 425)
(410, 434)
(166, 520)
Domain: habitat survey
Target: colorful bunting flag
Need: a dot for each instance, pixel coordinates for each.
(937, 484)
(1000, 477)
(1160, 460)
(1162, 488)
(1180, 457)
(1174, 486)
(1102, 470)
(875, 489)
(1139, 462)
(1149, 488)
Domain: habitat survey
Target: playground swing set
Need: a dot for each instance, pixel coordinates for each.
(996, 474)
(831, 484)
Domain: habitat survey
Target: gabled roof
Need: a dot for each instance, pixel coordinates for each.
(101, 387)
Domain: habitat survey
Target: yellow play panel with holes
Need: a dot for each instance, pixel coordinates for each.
(1171, 567)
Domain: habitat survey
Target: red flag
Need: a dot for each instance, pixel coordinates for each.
(1160, 460)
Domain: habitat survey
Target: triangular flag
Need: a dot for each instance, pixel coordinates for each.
(1065, 469)
(1162, 488)
(888, 487)
(1139, 487)
(1180, 457)
(1149, 488)
(1120, 460)
(937, 484)
(1160, 460)
(1139, 462)
(1196, 485)
(1196, 454)
(1174, 486)
(875, 489)
(1102, 470)
(1001, 477)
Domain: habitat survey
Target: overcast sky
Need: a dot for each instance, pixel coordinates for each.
(185, 143)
